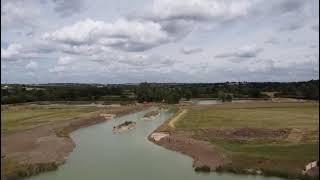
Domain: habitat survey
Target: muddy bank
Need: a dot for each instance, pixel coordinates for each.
(205, 156)
(242, 133)
(43, 148)
(209, 157)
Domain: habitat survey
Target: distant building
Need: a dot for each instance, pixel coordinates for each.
(5, 87)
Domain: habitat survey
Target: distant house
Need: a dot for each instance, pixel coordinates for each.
(32, 88)
(5, 87)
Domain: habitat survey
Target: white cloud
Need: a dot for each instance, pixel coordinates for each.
(18, 14)
(106, 42)
(32, 65)
(199, 9)
(11, 51)
(122, 34)
(57, 69)
(16, 51)
(65, 60)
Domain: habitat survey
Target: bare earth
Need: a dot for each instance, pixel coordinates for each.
(202, 152)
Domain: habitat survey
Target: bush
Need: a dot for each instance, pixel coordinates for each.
(203, 168)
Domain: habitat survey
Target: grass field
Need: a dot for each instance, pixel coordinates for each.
(255, 115)
(23, 117)
(282, 155)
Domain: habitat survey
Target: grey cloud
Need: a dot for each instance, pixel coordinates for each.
(273, 41)
(278, 7)
(178, 28)
(191, 50)
(68, 7)
(190, 13)
(114, 45)
(314, 46)
(146, 62)
(220, 11)
(315, 27)
(266, 70)
(290, 5)
(242, 53)
(179, 18)
(58, 69)
(292, 26)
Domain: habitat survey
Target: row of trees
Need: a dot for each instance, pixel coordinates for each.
(155, 92)
(148, 93)
(19, 94)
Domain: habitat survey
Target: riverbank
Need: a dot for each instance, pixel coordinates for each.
(260, 138)
(27, 152)
(205, 155)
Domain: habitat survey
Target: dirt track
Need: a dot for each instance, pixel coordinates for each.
(176, 118)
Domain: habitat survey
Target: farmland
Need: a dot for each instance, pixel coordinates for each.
(277, 138)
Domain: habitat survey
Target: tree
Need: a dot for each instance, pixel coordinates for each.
(254, 93)
(222, 96)
(172, 98)
(228, 98)
(188, 94)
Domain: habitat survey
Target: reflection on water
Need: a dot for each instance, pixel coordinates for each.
(101, 154)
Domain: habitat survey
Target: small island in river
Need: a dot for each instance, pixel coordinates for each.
(151, 115)
(127, 125)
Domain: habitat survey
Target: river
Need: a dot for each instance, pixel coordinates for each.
(101, 155)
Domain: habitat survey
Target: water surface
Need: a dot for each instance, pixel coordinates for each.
(101, 155)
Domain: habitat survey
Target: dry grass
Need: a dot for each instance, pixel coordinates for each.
(24, 117)
(253, 115)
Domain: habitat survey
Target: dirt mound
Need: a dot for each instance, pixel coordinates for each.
(242, 133)
(259, 133)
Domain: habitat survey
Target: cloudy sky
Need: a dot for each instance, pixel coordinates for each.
(126, 41)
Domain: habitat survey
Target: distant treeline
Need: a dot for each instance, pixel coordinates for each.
(156, 92)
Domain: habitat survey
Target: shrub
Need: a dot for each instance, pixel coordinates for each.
(203, 168)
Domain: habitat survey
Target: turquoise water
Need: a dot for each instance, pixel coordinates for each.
(102, 155)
